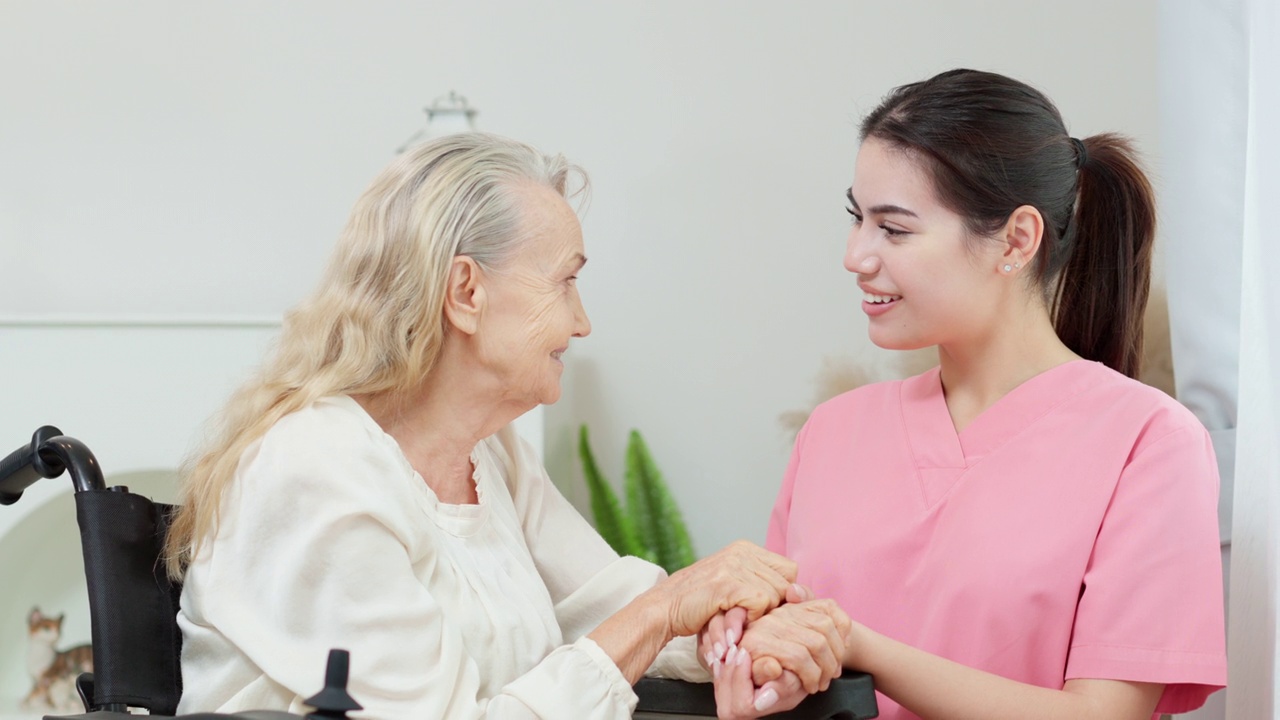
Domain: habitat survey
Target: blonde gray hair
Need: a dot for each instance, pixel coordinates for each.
(375, 324)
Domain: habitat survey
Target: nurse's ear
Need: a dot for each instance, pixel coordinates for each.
(1021, 234)
(464, 297)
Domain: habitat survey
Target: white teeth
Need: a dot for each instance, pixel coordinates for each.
(876, 299)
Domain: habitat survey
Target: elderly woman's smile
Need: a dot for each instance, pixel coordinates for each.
(533, 304)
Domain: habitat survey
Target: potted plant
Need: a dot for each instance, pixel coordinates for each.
(650, 526)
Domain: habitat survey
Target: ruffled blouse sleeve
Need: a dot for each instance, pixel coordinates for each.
(587, 579)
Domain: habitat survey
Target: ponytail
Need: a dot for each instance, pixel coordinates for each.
(1101, 293)
(993, 144)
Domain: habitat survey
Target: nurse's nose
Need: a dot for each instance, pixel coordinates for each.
(858, 257)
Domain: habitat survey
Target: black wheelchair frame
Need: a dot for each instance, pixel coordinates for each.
(133, 607)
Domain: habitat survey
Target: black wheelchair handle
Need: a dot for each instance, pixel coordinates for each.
(48, 455)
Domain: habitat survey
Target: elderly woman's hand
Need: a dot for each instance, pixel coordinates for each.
(805, 638)
(741, 575)
(726, 629)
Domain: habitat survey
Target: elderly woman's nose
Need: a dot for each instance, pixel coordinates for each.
(581, 323)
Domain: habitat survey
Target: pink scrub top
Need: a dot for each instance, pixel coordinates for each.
(1070, 531)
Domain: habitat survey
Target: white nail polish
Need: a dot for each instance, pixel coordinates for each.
(719, 648)
(742, 658)
(729, 656)
(711, 658)
(766, 700)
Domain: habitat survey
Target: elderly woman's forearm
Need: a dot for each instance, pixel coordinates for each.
(635, 635)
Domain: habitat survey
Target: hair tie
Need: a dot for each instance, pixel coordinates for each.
(1082, 154)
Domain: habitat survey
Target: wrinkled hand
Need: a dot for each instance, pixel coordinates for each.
(805, 638)
(742, 575)
(725, 629)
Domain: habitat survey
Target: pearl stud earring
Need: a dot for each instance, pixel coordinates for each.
(1007, 268)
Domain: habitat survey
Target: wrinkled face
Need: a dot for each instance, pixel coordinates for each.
(923, 284)
(533, 305)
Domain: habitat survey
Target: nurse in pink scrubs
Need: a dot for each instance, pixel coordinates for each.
(1025, 531)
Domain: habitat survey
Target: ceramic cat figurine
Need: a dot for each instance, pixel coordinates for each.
(53, 672)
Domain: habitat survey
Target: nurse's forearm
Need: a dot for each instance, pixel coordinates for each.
(938, 689)
(634, 635)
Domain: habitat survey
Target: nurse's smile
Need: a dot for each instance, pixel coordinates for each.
(876, 303)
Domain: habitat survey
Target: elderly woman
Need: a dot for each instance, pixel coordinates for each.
(367, 492)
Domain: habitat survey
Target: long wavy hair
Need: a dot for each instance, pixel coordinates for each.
(375, 324)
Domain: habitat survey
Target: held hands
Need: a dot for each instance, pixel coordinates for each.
(795, 650)
(742, 575)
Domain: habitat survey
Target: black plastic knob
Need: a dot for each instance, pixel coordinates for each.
(334, 701)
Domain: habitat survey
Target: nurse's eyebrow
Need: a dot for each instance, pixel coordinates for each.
(881, 209)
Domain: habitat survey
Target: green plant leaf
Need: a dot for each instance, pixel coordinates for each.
(611, 523)
(653, 511)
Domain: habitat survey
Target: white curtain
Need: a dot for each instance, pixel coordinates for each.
(1252, 638)
(1220, 185)
(1203, 89)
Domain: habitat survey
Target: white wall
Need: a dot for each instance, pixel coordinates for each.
(199, 159)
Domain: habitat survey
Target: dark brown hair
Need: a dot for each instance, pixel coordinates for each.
(993, 144)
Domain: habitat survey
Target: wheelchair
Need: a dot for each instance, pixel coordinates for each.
(133, 607)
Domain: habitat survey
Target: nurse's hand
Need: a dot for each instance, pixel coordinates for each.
(723, 632)
(741, 575)
(737, 697)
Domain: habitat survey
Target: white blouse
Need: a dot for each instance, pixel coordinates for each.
(328, 538)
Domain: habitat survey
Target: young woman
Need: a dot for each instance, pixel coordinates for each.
(1025, 531)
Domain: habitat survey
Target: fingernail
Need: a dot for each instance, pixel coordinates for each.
(729, 656)
(711, 658)
(719, 648)
(731, 635)
(742, 658)
(766, 699)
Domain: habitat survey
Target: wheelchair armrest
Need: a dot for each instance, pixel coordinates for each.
(851, 697)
